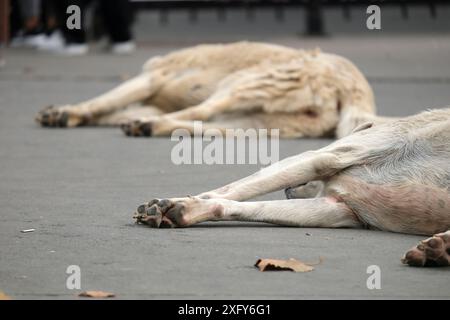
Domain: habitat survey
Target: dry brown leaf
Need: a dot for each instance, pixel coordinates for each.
(4, 296)
(96, 294)
(284, 265)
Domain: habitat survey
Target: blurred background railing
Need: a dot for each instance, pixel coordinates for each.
(313, 20)
(314, 17)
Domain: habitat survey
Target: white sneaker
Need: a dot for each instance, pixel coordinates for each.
(74, 50)
(54, 42)
(127, 47)
(17, 41)
(34, 41)
(27, 41)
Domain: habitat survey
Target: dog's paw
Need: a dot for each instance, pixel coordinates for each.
(291, 193)
(137, 128)
(179, 212)
(432, 252)
(304, 191)
(162, 213)
(60, 117)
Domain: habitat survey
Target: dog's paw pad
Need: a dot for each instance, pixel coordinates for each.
(156, 214)
(432, 252)
(59, 117)
(137, 128)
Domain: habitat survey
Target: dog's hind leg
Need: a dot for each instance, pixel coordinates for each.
(162, 126)
(165, 124)
(432, 252)
(88, 112)
(287, 124)
(183, 212)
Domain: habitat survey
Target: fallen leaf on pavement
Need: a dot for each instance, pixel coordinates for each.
(4, 296)
(96, 294)
(284, 265)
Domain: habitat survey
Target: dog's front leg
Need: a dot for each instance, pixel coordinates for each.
(290, 172)
(89, 112)
(184, 212)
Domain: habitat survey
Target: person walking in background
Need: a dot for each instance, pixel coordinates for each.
(34, 25)
(41, 24)
(117, 16)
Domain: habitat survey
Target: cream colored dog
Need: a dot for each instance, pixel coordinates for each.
(393, 176)
(388, 175)
(238, 85)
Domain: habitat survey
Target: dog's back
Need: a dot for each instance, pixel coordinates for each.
(229, 57)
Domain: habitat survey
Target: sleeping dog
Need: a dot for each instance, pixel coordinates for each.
(392, 176)
(238, 85)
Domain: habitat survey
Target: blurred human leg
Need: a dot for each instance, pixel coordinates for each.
(75, 39)
(118, 17)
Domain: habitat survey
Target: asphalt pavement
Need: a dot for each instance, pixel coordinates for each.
(79, 187)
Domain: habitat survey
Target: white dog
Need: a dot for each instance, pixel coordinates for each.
(239, 85)
(393, 176)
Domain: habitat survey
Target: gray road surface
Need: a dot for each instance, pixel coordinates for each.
(78, 189)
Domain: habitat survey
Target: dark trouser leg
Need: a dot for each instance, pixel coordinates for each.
(16, 18)
(118, 19)
(74, 35)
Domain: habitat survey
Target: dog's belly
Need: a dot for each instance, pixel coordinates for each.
(187, 88)
(402, 207)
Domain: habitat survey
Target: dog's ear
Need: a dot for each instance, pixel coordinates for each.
(363, 126)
